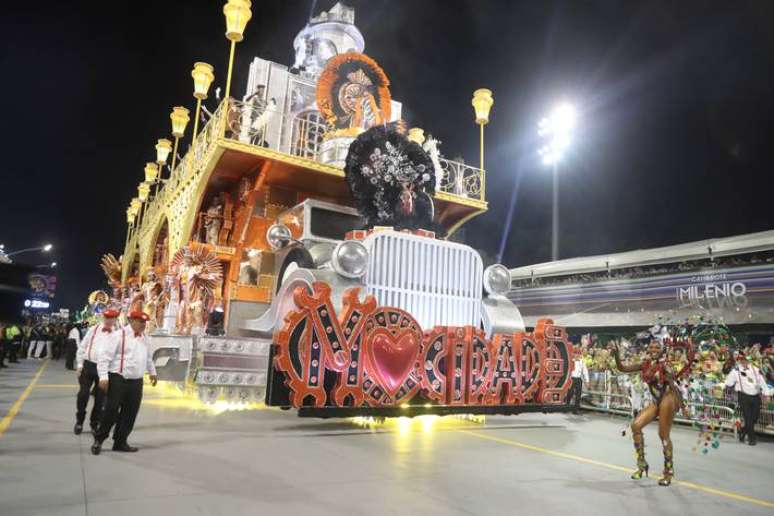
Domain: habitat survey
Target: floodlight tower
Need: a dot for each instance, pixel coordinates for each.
(557, 129)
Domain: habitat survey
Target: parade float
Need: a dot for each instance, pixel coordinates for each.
(301, 251)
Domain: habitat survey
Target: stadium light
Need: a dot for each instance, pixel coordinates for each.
(45, 248)
(557, 128)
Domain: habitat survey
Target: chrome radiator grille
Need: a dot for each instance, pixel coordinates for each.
(438, 282)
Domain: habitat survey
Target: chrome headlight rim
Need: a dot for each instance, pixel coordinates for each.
(278, 236)
(345, 269)
(497, 280)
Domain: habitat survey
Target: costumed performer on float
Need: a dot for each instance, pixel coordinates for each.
(661, 380)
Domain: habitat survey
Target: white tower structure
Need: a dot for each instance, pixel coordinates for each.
(325, 36)
(282, 109)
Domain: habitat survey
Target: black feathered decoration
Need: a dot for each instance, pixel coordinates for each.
(392, 179)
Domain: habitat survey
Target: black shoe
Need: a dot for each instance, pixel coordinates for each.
(124, 447)
(741, 437)
(752, 442)
(78, 428)
(96, 447)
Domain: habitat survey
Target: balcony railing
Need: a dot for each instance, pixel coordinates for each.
(261, 124)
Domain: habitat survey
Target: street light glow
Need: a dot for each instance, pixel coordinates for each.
(53, 264)
(47, 247)
(557, 128)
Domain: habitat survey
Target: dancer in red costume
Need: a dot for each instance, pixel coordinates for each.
(662, 380)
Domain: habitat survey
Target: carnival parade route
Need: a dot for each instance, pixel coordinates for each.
(195, 461)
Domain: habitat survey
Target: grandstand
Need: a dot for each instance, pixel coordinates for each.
(726, 278)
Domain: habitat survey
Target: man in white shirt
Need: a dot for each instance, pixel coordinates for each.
(580, 374)
(86, 370)
(71, 347)
(749, 384)
(121, 367)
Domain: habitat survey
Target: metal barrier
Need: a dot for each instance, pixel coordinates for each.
(606, 388)
(608, 407)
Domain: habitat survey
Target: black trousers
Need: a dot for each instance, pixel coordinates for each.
(13, 351)
(574, 396)
(71, 348)
(89, 380)
(123, 402)
(751, 409)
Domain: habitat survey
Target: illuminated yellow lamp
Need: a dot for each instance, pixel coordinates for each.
(163, 148)
(237, 14)
(416, 135)
(482, 104)
(180, 118)
(202, 76)
(130, 216)
(143, 190)
(151, 173)
(135, 205)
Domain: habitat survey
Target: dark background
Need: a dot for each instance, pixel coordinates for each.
(674, 142)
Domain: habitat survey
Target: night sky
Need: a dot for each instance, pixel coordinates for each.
(675, 139)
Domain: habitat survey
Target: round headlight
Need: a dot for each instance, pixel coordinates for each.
(497, 279)
(350, 259)
(278, 236)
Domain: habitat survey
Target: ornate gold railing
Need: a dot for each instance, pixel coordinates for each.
(265, 126)
(262, 125)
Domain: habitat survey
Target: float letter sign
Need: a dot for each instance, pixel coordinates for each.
(371, 356)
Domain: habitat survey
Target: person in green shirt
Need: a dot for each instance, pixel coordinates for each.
(13, 337)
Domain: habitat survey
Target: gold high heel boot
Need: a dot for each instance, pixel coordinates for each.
(639, 448)
(669, 466)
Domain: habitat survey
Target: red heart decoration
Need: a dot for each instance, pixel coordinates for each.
(391, 358)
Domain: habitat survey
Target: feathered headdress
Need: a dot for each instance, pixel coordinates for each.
(356, 68)
(111, 266)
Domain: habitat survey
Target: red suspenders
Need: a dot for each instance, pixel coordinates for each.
(123, 341)
(91, 343)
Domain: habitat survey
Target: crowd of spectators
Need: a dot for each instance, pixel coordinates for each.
(648, 270)
(34, 340)
(704, 384)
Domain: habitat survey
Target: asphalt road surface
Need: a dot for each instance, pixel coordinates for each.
(195, 460)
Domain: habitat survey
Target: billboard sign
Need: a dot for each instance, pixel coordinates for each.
(741, 295)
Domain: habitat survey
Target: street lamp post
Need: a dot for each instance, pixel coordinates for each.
(482, 104)
(163, 148)
(151, 173)
(237, 14)
(180, 118)
(557, 128)
(203, 76)
(143, 190)
(45, 248)
(130, 215)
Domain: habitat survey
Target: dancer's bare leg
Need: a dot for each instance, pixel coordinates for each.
(645, 416)
(666, 415)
